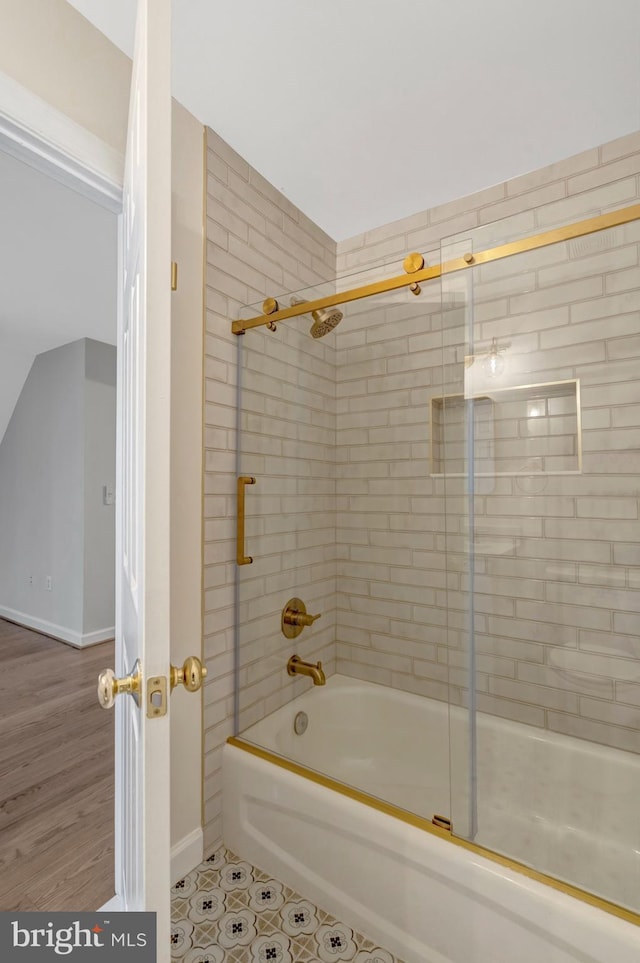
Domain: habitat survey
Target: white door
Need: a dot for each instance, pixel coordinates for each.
(142, 617)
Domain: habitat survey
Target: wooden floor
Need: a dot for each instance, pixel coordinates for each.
(56, 775)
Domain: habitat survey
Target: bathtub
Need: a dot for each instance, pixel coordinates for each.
(566, 806)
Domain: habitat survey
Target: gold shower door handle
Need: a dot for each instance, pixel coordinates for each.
(241, 558)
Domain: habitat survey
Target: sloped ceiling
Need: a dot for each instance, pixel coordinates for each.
(364, 111)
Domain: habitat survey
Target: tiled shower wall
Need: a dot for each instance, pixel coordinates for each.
(390, 522)
(259, 245)
(556, 582)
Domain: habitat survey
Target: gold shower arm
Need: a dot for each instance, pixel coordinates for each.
(241, 558)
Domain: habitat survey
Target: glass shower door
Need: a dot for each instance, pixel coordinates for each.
(542, 435)
(344, 516)
(286, 456)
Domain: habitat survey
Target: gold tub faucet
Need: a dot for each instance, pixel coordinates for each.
(295, 666)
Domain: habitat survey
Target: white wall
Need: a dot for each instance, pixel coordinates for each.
(15, 365)
(57, 453)
(42, 497)
(186, 483)
(99, 470)
(58, 55)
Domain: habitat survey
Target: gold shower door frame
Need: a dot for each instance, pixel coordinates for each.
(568, 232)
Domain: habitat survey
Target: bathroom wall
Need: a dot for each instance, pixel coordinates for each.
(99, 471)
(187, 335)
(57, 454)
(557, 606)
(259, 245)
(399, 610)
(55, 52)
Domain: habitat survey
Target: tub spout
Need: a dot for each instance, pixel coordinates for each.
(295, 666)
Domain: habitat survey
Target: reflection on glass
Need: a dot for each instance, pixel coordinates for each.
(539, 429)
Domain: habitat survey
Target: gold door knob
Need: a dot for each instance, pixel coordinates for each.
(191, 675)
(109, 686)
(295, 617)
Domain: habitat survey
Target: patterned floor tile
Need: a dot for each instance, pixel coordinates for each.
(227, 911)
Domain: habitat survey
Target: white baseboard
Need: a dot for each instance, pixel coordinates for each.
(100, 635)
(187, 853)
(59, 632)
(114, 905)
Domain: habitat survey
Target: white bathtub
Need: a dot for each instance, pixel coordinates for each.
(568, 807)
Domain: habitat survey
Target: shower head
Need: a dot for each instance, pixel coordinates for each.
(324, 319)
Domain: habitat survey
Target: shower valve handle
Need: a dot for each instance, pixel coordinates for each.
(295, 617)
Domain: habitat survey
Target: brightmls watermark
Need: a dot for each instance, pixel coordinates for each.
(78, 937)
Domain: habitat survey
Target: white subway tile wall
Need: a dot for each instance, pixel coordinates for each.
(337, 433)
(260, 245)
(557, 550)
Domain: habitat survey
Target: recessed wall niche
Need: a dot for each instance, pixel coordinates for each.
(524, 429)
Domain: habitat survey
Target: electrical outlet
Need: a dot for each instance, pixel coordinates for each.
(48, 583)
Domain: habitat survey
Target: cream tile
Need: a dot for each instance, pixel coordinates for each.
(549, 697)
(627, 416)
(587, 204)
(607, 643)
(606, 307)
(618, 281)
(627, 554)
(623, 347)
(563, 613)
(532, 199)
(602, 575)
(430, 688)
(607, 507)
(593, 731)
(611, 668)
(532, 630)
(620, 147)
(557, 171)
(572, 681)
(592, 530)
(507, 709)
(628, 692)
(626, 622)
(605, 174)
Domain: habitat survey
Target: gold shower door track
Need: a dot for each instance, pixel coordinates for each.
(567, 233)
(428, 825)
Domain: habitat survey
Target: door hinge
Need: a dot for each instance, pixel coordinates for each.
(174, 275)
(156, 697)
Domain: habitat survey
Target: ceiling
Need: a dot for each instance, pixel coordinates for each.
(58, 272)
(365, 111)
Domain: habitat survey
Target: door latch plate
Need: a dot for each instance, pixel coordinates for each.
(156, 696)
